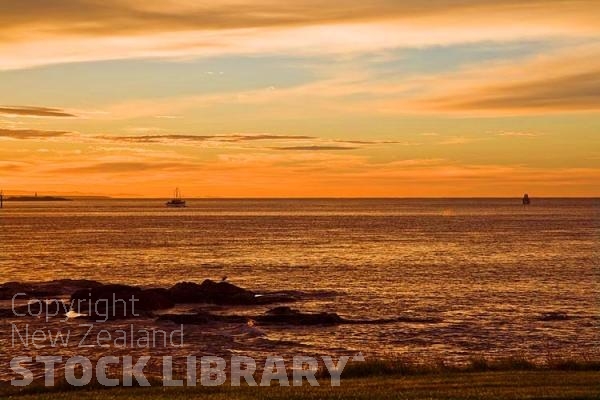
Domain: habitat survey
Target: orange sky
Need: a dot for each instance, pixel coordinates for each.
(243, 98)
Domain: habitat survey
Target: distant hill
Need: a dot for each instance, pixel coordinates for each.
(36, 198)
(82, 197)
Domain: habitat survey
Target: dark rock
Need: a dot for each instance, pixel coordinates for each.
(121, 299)
(283, 310)
(37, 309)
(102, 296)
(277, 316)
(202, 318)
(155, 299)
(211, 292)
(185, 292)
(9, 289)
(289, 316)
(66, 286)
(554, 316)
(407, 319)
(284, 315)
(119, 312)
(275, 297)
(44, 289)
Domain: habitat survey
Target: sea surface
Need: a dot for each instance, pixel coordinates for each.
(491, 270)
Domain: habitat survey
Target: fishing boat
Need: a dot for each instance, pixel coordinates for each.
(177, 201)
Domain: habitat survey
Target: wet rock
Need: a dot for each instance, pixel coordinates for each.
(48, 289)
(65, 286)
(409, 319)
(9, 289)
(114, 314)
(155, 299)
(122, 298)
(554, 316)
(201, 318)
(211, 292)
(37, 309)
(290, 316)
(283, 310)
(275, 297)
(105, 296)
(277, 316)
(284, 315)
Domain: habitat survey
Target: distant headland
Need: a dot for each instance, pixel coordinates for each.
(36, 198)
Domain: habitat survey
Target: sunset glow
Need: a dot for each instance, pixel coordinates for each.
(263, 98)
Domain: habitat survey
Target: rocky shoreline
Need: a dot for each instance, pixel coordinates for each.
(92, 300)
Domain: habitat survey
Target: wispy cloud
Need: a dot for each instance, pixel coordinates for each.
(518, 134)
(560, 81)
(309, 142)
(31, 133)
(456, 140)
(11, 166)
(170, 138)
(121, 167)
(242, 138)
(135, 17)
(563, 81)
(376, 142)
(35, 111)
(576, 92)
(167, 116)
(59, 32)
(315, 148)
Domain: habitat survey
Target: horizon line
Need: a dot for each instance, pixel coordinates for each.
(108, 197)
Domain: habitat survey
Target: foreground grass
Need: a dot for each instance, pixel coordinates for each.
(456, 385)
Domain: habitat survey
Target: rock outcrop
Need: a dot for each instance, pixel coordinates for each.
(44, 289)
(120, 297)
(283, 316)
(287, 316)
(211, 292)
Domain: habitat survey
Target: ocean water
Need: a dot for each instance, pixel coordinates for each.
(489, 269)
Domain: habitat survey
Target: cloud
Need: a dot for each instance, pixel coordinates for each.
(454, 140)
(312, 143)
(44, 32)
(314, 148)
(375, 142)
(31, 133)
(88, 17)
(167, 116)
(8, 166)
(558, 81)
(34, 111)
(242, 138)
(562, 81)
(122, 167)
(572, 92)
(297, 173)
(518, 134)
(166, 138)
(157, 138)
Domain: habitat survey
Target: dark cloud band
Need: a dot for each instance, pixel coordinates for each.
(35, 111)
(30, 133)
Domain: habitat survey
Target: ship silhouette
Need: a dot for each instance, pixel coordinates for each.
(176, 201)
